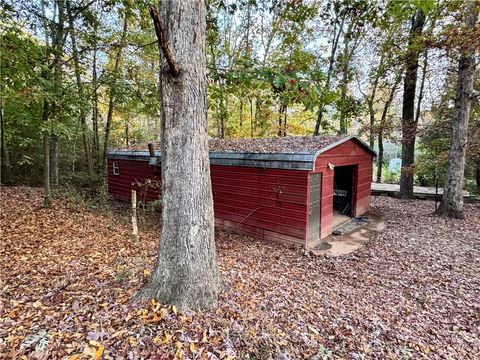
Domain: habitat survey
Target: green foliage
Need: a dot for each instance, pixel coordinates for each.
(268, 62)
(81, 188)
(404, 9)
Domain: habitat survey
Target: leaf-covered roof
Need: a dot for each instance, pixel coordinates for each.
(286, 145)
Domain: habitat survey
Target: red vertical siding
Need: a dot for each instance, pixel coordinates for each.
(131, 171)
(348, 153)
(269, 204)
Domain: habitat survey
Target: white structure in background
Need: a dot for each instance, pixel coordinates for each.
(394, 165)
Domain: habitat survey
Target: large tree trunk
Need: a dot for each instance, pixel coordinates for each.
(452, 199)
(80, 91)
(186, 273)
(111, 100)
(409, 125)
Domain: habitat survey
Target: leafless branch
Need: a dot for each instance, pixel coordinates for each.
(163, 44)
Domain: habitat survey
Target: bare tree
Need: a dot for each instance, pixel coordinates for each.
(186, 273)
(452, 199)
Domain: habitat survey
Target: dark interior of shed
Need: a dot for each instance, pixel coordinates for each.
(343, 183)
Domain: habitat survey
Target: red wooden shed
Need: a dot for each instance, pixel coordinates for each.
(287, 189)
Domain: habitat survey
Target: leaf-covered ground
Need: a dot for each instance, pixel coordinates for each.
(67, 276)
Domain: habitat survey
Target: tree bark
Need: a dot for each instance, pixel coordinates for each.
(111, 100)
(381, 128)
(280, 119)
(336, 38)
(258, 123)
(241, 113)
(452, 199)
(380, 156)
(96, 145)
(477, 175)
(76, 62)
(127, 135)
(252, 126)
(409, 126)
(53, 159)
(371, 102)
(186, 273)
(4, 155)
(344, 81)
(422, 86)
(47, 195)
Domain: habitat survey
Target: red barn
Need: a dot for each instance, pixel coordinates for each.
(287, 189)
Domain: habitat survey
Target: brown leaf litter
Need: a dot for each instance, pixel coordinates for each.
(68, 274)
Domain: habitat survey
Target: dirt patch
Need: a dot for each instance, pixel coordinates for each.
(358, 234)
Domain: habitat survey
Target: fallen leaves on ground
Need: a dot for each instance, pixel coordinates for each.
(68, 276)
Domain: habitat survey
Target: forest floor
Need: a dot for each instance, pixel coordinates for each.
(68, 274)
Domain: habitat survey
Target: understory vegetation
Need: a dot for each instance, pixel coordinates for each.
(82, 77)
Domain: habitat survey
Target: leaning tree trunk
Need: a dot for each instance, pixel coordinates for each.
(452, 199)
(409, 126)
(186, 273)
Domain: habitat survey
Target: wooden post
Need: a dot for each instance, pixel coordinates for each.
(151, 150)
(134, 216)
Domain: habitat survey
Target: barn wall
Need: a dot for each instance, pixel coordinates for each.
(131, 172)
(269, 204)
(348, 153)
(276, 200)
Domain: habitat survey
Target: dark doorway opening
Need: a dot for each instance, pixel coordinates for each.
(343, 188)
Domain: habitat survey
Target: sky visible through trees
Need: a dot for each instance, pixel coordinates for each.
(275, 68)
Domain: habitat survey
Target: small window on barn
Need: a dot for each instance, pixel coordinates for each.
(116, 168)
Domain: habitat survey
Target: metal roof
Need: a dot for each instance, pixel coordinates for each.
(304, 160)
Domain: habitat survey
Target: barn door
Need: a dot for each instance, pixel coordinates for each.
(314, 207)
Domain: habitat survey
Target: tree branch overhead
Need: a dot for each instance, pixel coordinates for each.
(163, 43)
